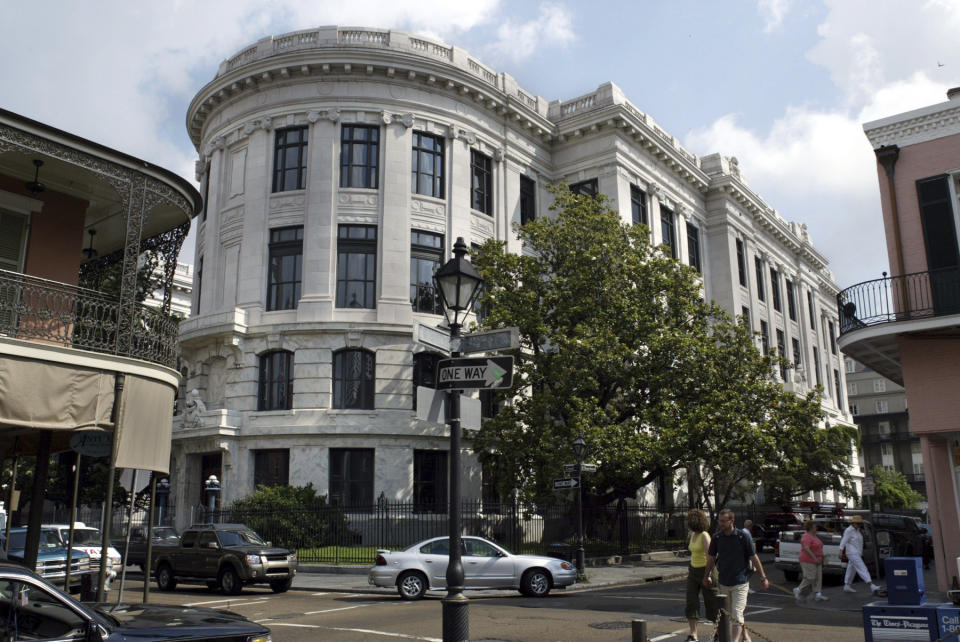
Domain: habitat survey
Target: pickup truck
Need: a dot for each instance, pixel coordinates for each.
(89, 540)
(767, 533)
(51, 558)
(137, 553)
(830, 531)
(228, 556)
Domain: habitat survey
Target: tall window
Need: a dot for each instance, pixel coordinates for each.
(427, 165)
(359, 155)
(879, 385)
(276, 381)
(775, 288)
(782, 352)
(271, 467)
(351, 477)
(765, 337)
(638, 205)
(816, 365)
(668, 231)
(837, 389)
(745, 315)
(283, 271)
(589, 187)
(354, 376)
(833, 337)
(758, 264)
(528, 200)
(881, 406)
(206, 194)
(481, 182)
(489, 494)
(741, 263)
(429, 481)
(426, 255)
(791, 304)
(693, 246)
(797, 355)
(199, 283)
(813, 320)
(424, 372)
(290, 159)
(357, 266)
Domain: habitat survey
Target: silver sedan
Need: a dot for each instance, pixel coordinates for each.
(423, 567)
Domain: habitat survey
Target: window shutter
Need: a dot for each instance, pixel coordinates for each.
(13, 235)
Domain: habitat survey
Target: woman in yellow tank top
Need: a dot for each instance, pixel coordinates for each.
(699, 542)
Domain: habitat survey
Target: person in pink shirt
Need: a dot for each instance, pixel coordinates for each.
(811, 563)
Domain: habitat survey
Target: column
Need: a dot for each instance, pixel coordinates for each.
(393, 305)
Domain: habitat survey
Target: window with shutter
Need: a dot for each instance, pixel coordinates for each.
(13, 241)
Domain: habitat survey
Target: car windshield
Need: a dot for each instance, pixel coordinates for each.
(85, 537)
(164, 533)
(48, 539)
(239, 538)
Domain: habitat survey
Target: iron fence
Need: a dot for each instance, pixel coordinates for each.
(900, 298)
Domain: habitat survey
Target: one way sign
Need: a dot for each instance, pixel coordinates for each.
(485, 372)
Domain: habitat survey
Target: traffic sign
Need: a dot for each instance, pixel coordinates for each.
(483, 372)
(868, 485)
(566, 482)
(433, 337)
(432, 406)
(502, 339)
(586, 468)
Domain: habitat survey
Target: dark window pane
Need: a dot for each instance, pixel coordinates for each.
(290, 159)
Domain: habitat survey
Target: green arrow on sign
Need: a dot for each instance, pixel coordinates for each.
(494, 374)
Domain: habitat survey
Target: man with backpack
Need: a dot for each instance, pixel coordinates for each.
(731, 551)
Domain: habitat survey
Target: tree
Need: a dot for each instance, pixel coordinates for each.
(892, 489)
(618, 345)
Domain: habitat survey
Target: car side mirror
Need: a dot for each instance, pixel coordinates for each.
(92, 634)
(269, 543)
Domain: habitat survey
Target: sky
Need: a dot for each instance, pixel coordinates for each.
(783, 85)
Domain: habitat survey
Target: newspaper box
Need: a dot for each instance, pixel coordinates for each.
(905, 580)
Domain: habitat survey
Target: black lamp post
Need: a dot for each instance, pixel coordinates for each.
(457, 283)
(163, 491)
(212, 486)
(580, 448)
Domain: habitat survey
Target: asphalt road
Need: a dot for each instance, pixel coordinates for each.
(596, 615)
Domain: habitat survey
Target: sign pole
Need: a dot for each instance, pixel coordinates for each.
(456, 623)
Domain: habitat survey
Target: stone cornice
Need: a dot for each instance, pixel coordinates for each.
(918, 126)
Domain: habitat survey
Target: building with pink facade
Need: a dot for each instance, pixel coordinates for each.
(906, 326)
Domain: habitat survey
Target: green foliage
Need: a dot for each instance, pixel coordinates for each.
(893, 490)
(617, 345)
(293, 517)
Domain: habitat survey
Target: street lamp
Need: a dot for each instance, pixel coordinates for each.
(458, 284)
(163, 491)
(212, 486)
(580, 448)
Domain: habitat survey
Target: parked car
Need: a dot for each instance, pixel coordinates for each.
(226, 555)
(768, 534)
(33, 609)
(423, 566)
(830, 531)
(137, 553)
(89, 540)
(907, 536)
(51, 558)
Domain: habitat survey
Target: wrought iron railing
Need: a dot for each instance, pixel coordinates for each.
(51, 312)
(908, 297)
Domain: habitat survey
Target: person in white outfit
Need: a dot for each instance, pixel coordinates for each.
(851, 544)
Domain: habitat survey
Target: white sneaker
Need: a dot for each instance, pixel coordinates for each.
(848, 589)
(796, 594)
(820, 597)
(874, 588)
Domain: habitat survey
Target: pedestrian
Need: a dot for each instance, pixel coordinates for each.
(811, 563)
(851, 545)
(748, 527)
(748, 531)
(731, 553)
(699, 542)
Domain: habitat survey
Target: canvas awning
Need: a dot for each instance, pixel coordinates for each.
(36, 394)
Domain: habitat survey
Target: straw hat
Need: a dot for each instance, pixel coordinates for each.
(856, 519)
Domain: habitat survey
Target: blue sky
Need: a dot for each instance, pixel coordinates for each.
(783, 85)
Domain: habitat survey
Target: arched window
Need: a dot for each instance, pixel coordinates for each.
(276, 381)
(353, 379)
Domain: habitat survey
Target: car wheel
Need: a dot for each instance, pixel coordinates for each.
(165, 579)
(791, 576)
(412, 585)
(281, 586)
(535, 583)
(230, 582)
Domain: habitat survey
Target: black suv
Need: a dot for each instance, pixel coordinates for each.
(225, 555)
(906, 536)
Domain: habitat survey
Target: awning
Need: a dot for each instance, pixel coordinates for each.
(60, 397)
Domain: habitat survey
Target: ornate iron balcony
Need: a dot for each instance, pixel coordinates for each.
(921, 295)
(50, 312)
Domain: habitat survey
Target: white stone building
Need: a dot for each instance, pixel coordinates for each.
(339, 165)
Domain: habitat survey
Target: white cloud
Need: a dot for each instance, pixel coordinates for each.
(516, 41)
(773, 12)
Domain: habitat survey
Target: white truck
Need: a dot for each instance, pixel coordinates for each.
(830, 531)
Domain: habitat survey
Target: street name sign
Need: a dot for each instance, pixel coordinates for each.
(433, 337)
(586, 468)
(490, 341)
(483, 372)
(566, 482)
